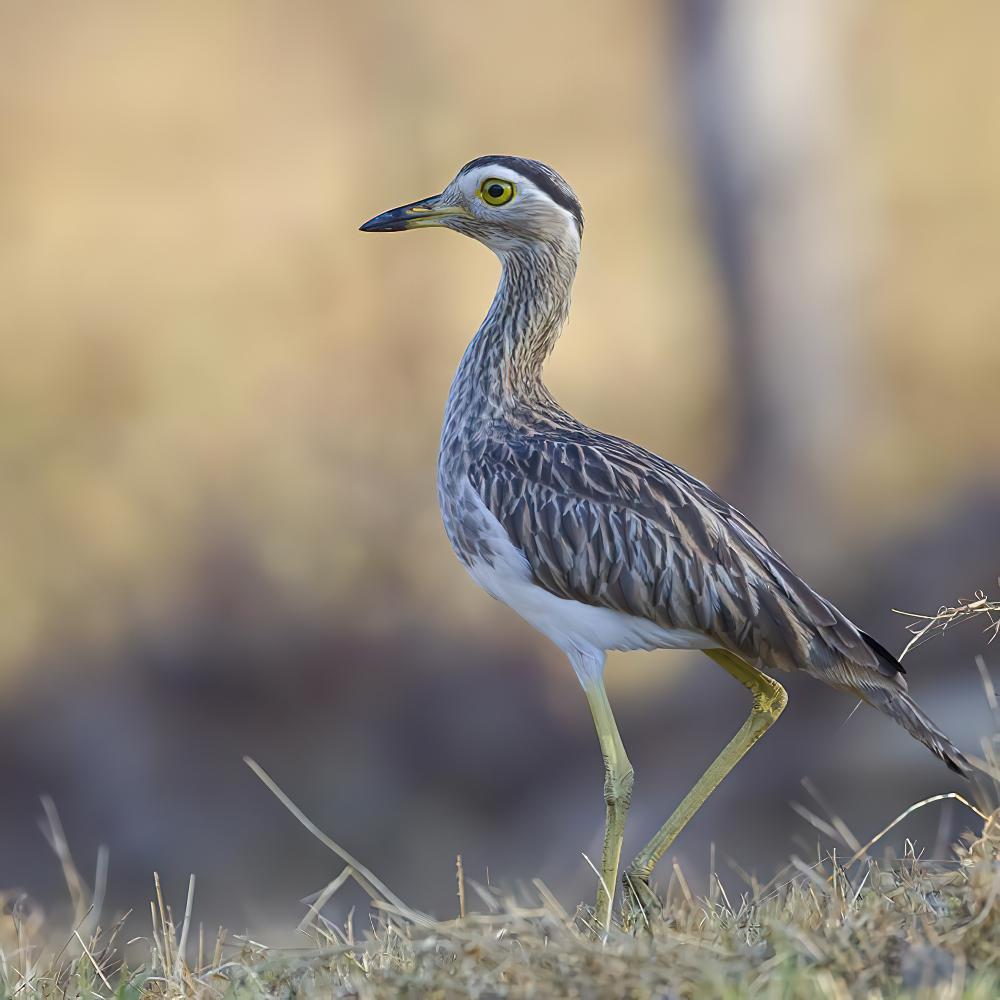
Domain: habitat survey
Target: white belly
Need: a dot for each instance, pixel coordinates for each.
(582, 631)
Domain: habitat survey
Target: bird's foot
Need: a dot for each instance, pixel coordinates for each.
(640, 905)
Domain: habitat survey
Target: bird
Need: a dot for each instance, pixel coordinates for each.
(599, 543)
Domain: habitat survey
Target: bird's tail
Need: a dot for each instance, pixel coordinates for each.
(900, 707)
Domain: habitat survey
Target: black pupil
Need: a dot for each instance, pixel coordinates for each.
(495, 191)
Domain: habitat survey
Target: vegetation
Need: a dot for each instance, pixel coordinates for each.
(828, 929)
(839, 927)
(842, 925)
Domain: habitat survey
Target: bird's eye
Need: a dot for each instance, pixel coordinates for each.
(495, 191)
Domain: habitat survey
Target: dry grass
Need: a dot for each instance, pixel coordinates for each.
(844, 924)
(830, 928)
(827, 929)
(926, 627)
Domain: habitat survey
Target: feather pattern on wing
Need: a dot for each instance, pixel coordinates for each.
(603, 521)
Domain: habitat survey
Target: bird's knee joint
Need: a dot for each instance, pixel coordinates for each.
(770, 703)
(618, 787)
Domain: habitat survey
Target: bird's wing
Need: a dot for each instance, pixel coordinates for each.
(606, 523)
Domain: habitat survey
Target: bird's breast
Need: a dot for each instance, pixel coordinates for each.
(503, 571)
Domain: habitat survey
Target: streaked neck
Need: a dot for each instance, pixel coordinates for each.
(502, 367)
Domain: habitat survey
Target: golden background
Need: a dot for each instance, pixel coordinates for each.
(219, 409)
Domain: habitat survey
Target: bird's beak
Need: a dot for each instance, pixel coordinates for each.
(428, 212)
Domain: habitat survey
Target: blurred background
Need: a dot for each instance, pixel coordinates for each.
(220, 403)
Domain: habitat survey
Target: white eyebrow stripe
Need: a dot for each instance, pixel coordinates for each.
(544, 179)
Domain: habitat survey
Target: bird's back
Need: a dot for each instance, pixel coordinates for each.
(607, 523)
(604, 523)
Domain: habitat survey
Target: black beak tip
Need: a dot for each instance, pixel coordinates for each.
(397, 220)
(388, 222)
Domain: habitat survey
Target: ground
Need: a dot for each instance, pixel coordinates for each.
(840, 927)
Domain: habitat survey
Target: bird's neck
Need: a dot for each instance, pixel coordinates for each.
(502, 367)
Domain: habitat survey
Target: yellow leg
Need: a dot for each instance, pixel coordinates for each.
(618, 779)
(769, 700)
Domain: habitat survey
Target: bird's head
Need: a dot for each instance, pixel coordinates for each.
(507, 203)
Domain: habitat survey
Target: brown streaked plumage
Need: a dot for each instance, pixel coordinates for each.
(599, 543)
(607, 523)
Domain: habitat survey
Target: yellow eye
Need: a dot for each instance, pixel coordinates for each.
(495, 191)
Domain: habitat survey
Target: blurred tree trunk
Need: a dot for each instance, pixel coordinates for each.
(761, 88)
